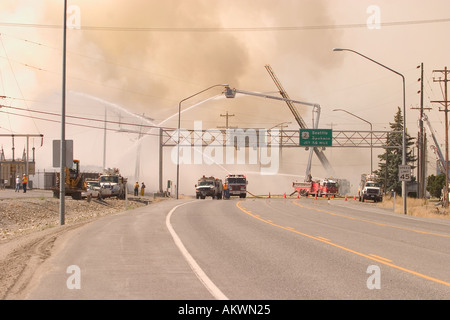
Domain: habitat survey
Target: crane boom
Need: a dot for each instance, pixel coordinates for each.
(436, 149)
(283, 93)
(319, 153)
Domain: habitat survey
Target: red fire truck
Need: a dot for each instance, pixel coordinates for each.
(236, 185)
(325, 187)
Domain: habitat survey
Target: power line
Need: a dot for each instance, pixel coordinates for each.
(14, 75)
(79, 118)
(91, 58)
(226, 29)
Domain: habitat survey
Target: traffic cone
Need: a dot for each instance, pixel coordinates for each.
(284, 195)
(354, 197)
(315, 197)
(298, 196)
(345, 198)
(269, 194)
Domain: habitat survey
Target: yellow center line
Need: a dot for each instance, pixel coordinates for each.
(378, 257)
(371, 257)
(369, 221)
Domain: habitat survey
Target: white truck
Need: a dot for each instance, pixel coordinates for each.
(113, 184)
(209, 187)
(369, 188)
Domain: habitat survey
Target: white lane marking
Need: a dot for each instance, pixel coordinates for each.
(201, 275)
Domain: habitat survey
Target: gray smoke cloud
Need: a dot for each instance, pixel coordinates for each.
(185, 46)
(147, 55)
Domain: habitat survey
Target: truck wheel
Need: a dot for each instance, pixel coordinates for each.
(76, 196)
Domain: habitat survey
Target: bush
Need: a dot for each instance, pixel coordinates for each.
(435, 185)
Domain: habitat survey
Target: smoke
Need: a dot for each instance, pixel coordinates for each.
(177, 48)
(185, 46)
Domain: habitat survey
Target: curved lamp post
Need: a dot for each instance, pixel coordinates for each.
(371, 135)
(404, 116)
(179, 124)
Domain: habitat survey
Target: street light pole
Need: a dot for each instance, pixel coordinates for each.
(179, 125)
(404, 117)
(371, 136)
(62, 158)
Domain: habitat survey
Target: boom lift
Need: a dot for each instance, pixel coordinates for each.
(319, 153)
(436, 148)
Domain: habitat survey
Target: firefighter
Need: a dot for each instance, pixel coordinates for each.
(24, 183)
(136, 189)
(226, 191)
(142, 189)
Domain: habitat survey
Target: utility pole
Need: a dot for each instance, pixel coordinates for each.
(421, 139)
(227, 115)
(104, 143)
(62, 163)
(445, 104)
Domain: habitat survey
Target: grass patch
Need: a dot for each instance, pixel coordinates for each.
(417, 207)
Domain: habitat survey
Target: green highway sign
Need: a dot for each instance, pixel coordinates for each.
(316, 137)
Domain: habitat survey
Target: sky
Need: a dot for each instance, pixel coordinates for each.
(142, 57)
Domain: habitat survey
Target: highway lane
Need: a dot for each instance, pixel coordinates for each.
(254, 249)
(316, 249)
(126, 256)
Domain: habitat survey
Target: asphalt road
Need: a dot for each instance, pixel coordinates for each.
(249, 249)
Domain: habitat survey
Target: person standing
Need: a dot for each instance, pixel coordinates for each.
(24, 183)
(136, 189)
(17, 184)
(226, 191)
(142, 189)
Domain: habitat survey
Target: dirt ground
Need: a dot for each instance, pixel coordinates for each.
(29, 226)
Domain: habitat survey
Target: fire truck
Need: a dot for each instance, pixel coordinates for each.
(325, 187)
(369, 188)
(209, 187)
(113, 184)
(237, 185)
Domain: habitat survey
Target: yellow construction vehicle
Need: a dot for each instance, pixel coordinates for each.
(74, 182)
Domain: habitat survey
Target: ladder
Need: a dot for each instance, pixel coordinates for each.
(319, 153)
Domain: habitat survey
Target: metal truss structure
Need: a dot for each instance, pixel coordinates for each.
(266, 138)
(263, 138)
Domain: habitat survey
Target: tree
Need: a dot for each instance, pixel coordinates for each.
(435, 184)
(392, 158)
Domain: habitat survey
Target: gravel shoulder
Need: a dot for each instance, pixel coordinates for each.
(29, 227)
